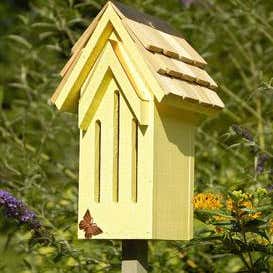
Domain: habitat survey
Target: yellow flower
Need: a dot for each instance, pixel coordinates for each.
(220, 218)
(255, 215)
(249, 205)
(191, 263)
(207, 201)
(246, 204)
(230, 204)
(262, 241)
(236, 207)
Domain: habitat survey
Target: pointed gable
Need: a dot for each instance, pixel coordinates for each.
(156, 60)
(108, 67)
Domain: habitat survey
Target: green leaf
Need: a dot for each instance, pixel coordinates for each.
(71, 3)
(45, 35)
(43, 25)
(89, 3)
(20, 40)
(54, 48)
(76, 21)
(24, 19)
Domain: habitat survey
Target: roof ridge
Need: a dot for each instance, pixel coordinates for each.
(144, 18)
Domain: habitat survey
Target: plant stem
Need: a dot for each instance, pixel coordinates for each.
(7, 243)
(241, 255)
(260, 123)
(248, 252)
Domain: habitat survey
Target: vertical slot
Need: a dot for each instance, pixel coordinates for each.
(97, 190)
(116, 121)
(134, 160)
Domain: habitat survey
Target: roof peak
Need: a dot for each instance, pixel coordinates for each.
(132, 13)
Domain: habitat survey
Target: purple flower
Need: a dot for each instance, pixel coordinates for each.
(242, 132)
(27, 216)
(16, 209)
(262, 159)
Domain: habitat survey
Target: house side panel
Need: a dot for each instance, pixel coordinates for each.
(173, 175)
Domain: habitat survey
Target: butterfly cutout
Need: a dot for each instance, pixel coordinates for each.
(89, 227)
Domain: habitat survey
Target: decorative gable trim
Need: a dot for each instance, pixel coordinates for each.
(107, 68)
(67, 94)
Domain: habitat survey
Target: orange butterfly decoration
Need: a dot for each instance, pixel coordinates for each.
(89, 227)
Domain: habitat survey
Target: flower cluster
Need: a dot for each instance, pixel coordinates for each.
(207, 201)
(16, 209)
(241, 205)
(231, 213)
(242, 132)
(239, 208)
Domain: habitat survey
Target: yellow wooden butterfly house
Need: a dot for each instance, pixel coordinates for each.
(140, 91)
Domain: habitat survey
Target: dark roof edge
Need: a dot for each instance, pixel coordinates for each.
(144, 18)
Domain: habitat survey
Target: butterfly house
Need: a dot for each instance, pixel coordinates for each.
(140, 91)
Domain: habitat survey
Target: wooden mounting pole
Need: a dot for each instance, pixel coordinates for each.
(134, 256)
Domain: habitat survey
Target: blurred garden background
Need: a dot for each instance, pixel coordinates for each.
(39, 146)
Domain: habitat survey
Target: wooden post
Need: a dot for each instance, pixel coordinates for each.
(134, 256)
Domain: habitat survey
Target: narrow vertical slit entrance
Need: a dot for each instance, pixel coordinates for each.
(134, 160)
(97, 189)
(116, 121)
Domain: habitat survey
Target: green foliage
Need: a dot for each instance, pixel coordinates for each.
(240, 225)
(39, 146)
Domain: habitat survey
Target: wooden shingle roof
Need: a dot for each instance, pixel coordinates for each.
(178, 68)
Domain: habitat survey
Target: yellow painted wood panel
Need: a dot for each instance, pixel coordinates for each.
(173, 176)
(125, 218)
